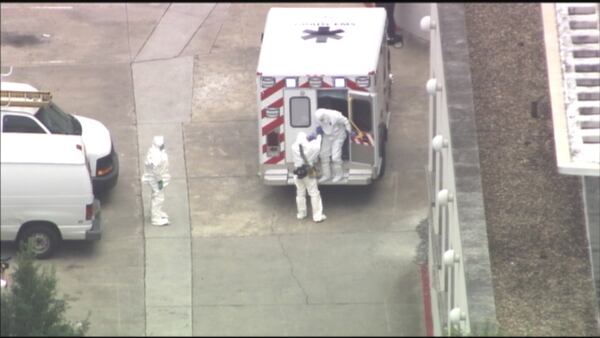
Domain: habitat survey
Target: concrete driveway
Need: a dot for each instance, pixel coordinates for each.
(234, 261)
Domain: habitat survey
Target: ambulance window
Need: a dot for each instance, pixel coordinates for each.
(300, 112)
(20, 124)
(362, 114)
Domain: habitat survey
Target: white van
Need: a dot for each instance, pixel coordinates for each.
(46, 191)
(27, 110)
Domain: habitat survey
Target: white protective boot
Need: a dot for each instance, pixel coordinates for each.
(325, 171)
(317, 208)
(301, 206)
(338, 172)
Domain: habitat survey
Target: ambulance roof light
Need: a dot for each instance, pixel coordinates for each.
(339, 82)
(291, 82)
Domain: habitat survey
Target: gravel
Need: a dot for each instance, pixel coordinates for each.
(536, 224)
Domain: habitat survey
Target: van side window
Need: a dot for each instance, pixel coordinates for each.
(20, 124)
(300, 112)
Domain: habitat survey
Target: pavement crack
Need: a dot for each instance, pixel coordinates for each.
(273, 217)
(152, 32)
(197, 29)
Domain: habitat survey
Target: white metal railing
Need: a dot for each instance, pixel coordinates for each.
(448, 285)
(449, 308)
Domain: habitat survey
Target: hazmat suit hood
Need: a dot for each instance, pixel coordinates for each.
(324, 120)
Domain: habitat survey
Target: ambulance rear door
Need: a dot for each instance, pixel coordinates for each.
(299, 109)
(362, 147)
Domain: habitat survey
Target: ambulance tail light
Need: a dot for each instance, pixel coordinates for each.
(315, 81)
(273, 143)
(267, 81)
(363, 81)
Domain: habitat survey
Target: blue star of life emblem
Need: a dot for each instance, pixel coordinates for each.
(322, 34)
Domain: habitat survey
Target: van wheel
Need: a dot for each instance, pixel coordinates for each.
(43, 240)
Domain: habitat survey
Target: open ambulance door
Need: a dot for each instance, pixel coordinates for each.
(299, 109)
(362, 147)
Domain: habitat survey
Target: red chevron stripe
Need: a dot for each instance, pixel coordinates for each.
(307, 85)
(274, 124)
(276, 159)
(352, 85)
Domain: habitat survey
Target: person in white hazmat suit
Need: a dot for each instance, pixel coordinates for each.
(158, 177)
(333, 125)
(305, 152)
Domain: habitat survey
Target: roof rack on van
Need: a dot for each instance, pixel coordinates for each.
(24, 98)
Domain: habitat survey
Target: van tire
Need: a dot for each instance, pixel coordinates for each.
(45, 239)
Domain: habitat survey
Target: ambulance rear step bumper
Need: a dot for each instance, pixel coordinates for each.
(353, 177)
(276, 177)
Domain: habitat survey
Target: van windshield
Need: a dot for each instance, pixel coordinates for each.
(57, 121)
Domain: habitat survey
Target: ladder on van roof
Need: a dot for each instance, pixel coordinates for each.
(17, 98)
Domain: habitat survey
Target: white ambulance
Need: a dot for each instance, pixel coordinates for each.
(335, 58)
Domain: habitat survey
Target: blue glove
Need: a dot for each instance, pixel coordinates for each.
(320, 130)
(353, 134)
(311, 137)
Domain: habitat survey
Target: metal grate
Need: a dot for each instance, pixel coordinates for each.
(572, 37)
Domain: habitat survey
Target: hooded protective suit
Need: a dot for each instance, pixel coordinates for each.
(334, 126)
(158, 177)
(311, 151)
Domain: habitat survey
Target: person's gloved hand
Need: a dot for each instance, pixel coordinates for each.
(311, 136)
(320, 130)
(160, 185)
(353, 134)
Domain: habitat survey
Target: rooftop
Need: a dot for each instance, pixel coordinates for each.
(535, 217)
(321, 41)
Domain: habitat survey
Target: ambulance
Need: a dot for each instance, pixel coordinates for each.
(335, 58)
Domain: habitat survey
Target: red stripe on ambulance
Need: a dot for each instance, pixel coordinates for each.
(352, 85)
(276, 159)
(274, 124)
(307, 85)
